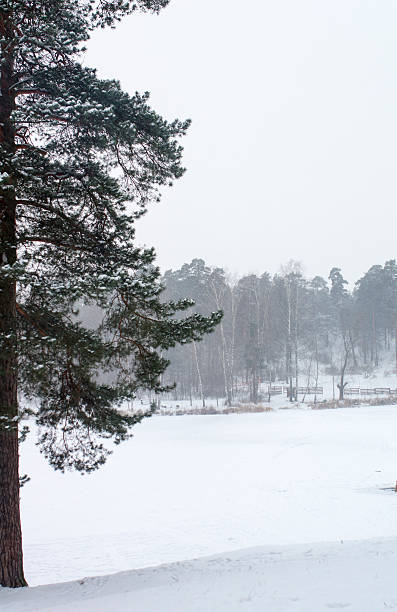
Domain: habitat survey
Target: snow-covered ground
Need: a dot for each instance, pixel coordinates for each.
(192, 486)
(355, 576)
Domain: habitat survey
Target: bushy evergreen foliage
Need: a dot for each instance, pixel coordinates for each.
(80, 160)
(84, 152)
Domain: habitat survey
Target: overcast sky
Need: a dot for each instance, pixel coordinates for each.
(292, 153)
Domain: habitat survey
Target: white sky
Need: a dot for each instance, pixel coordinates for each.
(293, 148)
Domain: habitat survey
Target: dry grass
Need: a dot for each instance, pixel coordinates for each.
(346, 403)
(237, 409)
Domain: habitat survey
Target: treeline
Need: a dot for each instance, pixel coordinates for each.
(281, 327)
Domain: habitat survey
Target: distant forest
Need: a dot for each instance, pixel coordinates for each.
(282, 327)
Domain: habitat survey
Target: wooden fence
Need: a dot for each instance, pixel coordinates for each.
(276, 390)
(305, 391)
(374, 391)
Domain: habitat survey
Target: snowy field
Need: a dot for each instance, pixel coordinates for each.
(353, 576)
(191, 486)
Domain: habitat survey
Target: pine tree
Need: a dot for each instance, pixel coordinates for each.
(80, 162)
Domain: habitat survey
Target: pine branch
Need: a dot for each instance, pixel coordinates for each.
(56, 243)
(28, 92)
(28, 318)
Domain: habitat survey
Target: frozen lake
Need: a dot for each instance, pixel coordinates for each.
(191, 486)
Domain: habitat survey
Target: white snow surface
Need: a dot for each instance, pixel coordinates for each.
(307, 488)
(356, 576)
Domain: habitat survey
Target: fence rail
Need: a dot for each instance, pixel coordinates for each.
(373, 391)
(276, 390)
(305, 391)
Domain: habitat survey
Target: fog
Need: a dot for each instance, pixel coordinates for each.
(292, 149)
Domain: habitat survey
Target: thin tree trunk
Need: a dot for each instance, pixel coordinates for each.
(309, 373)
(233, 342)
(395, 345)
(198, 373)
(296, 344)
(374, 341)
(342, 384)
(315, 395)
(291, 390)
(289, 344)
(11, 562)
(255, 385)
(256, 364)
(353, 349)
(224, 354)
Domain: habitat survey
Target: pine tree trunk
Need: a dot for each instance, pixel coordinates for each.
(11, 560)
(11, 567)
(11, 572)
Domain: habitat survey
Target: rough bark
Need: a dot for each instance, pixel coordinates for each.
(11, 559)
(11, 562)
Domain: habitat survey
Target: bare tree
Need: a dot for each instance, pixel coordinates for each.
(344, 361)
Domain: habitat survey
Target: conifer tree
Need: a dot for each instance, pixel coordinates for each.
(80, 160)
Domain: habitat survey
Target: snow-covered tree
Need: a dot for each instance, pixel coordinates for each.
(80, 161)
